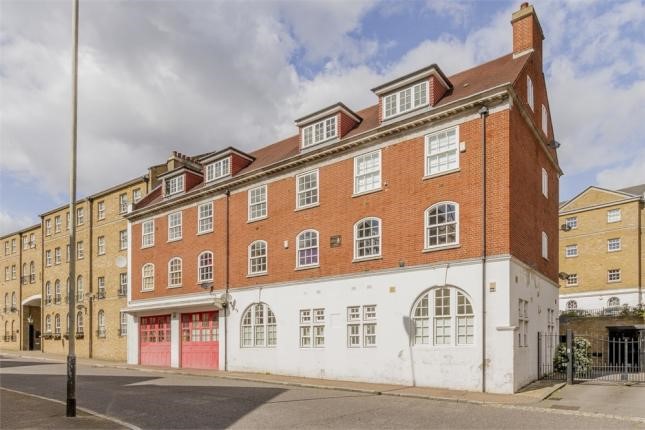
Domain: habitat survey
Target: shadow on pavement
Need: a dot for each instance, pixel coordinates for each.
(10, 363)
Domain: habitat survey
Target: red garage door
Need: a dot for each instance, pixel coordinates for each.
(200, 340)
(154, 338)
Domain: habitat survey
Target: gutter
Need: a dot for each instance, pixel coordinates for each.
(228, 265)
(483, 112)
(498, 93)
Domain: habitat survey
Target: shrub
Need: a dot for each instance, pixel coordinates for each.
(581, 356)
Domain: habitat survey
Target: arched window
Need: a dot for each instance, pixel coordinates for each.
(48, 292)
(48, 324)
(6, 302)
(79, 322)
(101, 331)
(174, 272)
(258, 326)
(148, 277)
(57, 324)
(13, 330)
(367, 238)
(6, 329)
(443, 316)
(80, 291)
(572, 304)
(25, 273)
(13, 300)
(442, 225)
(205, 266)
(307, 248)
(32, 272)
(258, 257)
(57, 292)
(613, 301)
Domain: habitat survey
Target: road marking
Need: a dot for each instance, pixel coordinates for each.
(87, 411)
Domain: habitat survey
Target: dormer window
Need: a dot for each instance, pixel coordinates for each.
(174, 185)
(319, 132)
(405, 100)
(218, 169)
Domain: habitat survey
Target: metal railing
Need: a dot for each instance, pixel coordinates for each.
(624, 310)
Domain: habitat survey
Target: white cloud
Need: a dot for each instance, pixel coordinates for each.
(631, 172)
(10, 223)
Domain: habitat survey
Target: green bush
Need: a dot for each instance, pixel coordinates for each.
(581, 356)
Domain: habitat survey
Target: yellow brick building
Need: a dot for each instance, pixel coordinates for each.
(602, 248)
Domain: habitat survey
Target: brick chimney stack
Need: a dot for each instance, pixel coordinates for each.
(527, 32)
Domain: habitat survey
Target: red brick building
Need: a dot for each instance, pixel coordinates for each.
(368, 245)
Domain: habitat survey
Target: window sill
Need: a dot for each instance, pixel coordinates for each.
(173, 286)
(147, 246)
(360, 260)
(313, 266)
(174, 240)
(401, 114)
(255, 275)
(572, 256)
(436, 175)
(146, 291)
(614, 282)
(201, 233)
(441, 248)
(614, 222)
(363, 193)
(614, 250)
(315, 205)
(251, 221)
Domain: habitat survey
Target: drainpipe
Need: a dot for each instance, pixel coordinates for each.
(226, 308)
(483, 113)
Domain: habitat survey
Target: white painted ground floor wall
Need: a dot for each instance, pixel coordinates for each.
(395, 358)
(600, 299)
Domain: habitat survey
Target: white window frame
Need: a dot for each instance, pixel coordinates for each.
(614, 244)
(145, 275)
(454, 315)
(175, 226)
(446, 224)
(613, 302)
(410, 92)
(319, 132)
(614, 273)
(175, 272)
(442, 154)
(48, 232)
(101, 331)
(614, 215)
(57, 256)
(148, 238)
(306, 191)
(218, 169)
(205, 220)
(136, 195)
(571, 222)
(100, 289)
(361, 326)
(545, 183)
(80, 250)
(100, 245)
(523, 323)
(312, 244)
(80, 216)
(123, 284)
(205, 271)
(571, 251)
(100, 210)
(57, 224)
(312, 328)
(260, 328)
(80, 288)
(123, 324)
(572, 280)
(378, 236)
(529, 93)
(258, 209)
(123, 203)
(545, 121)
(545, 246)
(123, 240)
(48, 258)
(373, 172)
(174, 185)
(252, 258)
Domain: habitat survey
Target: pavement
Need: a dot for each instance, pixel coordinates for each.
(528, 395)
(141, 398)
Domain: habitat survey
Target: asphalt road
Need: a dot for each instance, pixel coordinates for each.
(149, 400)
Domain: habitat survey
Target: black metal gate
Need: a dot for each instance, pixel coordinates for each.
(594, 358)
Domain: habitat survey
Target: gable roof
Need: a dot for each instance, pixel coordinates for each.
(620, 195)
(636, 190)
(487, 76)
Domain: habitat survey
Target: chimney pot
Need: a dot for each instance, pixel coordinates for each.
(524, 5)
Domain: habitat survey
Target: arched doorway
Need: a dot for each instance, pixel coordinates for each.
(31, 324)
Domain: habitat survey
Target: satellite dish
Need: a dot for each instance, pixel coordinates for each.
(121, 262)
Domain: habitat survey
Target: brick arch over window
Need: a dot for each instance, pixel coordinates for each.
(258, 326)
(443, 315)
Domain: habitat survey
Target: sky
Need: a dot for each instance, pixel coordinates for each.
(196, 76)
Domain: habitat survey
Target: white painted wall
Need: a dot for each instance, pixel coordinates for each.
(175, 339)
(394, 360)
(133, 339)
(598, 299)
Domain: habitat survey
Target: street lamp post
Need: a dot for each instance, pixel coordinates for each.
(71, 293)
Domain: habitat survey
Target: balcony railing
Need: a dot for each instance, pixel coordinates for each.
(610, 311)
